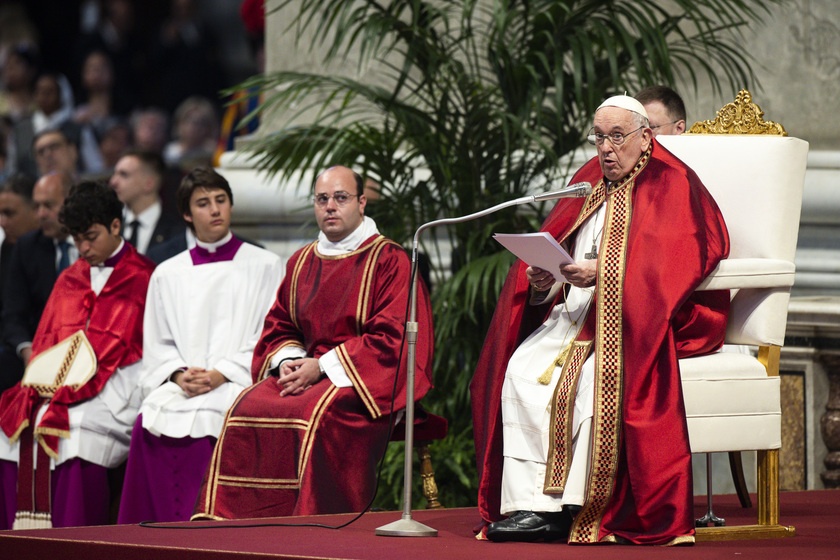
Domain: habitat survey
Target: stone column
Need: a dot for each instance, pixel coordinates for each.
(830, 421)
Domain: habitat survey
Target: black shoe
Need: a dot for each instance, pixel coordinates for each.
(530, 526)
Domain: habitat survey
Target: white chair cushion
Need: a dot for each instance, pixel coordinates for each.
(731, 403)
(750, 273)
(758, 317)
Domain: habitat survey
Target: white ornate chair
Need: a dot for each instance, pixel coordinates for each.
(733, 399)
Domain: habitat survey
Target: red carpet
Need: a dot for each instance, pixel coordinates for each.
(814, 514)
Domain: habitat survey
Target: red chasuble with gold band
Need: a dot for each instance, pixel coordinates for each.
(316, 452)
(663, 235)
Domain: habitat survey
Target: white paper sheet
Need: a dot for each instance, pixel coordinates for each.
(539, 250)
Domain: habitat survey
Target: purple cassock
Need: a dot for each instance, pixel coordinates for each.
(163, 476)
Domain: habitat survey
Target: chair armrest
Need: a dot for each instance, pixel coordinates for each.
(733, 274)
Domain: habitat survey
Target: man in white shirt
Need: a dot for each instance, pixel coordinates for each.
(204, 314)
(137, 179)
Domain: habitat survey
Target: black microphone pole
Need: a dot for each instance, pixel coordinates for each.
(406, 526)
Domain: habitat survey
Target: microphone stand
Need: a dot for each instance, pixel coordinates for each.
(406, 526)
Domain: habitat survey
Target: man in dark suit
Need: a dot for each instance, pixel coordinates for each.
(36, 261)
(137, 180)
(171, 247)
(17, 217)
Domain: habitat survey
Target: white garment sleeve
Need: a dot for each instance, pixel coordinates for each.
(121, 394)
(335, 371)
(160, 355)
(287, 352)
(236, 367)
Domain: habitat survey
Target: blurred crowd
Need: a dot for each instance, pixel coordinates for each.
(107, 76)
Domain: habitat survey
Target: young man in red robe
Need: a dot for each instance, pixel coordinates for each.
(306, 438)
(579, 418)
(68, 436)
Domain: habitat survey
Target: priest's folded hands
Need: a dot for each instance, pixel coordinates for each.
(298, 375)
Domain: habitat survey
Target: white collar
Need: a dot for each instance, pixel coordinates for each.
(351, 242)
(68, 239)
(212, 247)
(148, 217)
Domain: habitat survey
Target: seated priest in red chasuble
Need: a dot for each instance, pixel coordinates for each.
(577, 405)
(306, 438)
(69, 420)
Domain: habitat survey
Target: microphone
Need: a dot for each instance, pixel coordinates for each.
(572, 191)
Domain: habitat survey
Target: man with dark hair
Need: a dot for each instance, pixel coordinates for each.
(308, 435)
(53, 112)
(137, 179)
(37, 260)
(74, 406)
(17, 211)
(17, 217)
(55, 151)
(665, 109)
(204, 312)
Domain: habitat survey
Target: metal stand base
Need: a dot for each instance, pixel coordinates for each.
(710, 518)
(406, 528)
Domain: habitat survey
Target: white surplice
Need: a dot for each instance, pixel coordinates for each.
(211, 316)
(526, 403)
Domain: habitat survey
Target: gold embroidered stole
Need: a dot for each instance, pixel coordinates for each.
(609, 368)
(589, 207)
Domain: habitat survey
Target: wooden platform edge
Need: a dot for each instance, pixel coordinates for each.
(743, 532)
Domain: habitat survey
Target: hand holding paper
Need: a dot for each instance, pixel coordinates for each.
(538, 249)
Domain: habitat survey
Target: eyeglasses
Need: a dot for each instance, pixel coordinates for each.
(51, 147)
(616, 138)
(341, 198)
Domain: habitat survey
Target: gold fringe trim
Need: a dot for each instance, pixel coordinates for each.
(16, 435)
(545, 378)
(41, 432)
(32, 520)
(685, 539)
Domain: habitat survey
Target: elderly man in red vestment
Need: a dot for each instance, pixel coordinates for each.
(579, 418)
(330, 371)
(78, 430)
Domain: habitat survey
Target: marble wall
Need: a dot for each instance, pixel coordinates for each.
(796, 58)
(795, 53)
